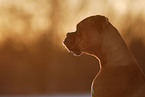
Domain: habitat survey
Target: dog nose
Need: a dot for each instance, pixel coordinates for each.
(69, 38)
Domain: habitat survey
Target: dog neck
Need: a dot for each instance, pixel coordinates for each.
(113, 51)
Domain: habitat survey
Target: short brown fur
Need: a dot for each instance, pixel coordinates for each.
(119, 75)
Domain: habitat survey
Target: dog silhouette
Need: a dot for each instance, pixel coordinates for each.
(120, 75)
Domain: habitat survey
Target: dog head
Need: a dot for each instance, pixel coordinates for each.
(87, 38)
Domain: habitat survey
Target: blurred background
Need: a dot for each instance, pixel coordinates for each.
(33, 60)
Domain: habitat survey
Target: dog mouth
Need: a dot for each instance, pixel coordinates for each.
(76, 52)
(71, 46)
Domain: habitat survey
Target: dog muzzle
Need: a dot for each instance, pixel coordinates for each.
(71, 43)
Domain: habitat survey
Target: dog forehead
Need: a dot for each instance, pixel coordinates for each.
(92, 20)
(97, 18)
(93, 23)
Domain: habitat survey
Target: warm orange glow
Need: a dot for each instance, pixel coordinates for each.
(32, 57)
(33, 17)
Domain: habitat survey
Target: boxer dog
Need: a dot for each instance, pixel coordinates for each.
(119, 75)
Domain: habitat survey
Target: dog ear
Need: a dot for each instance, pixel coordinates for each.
(100, 23)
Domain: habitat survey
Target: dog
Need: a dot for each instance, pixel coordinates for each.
(119, 74)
